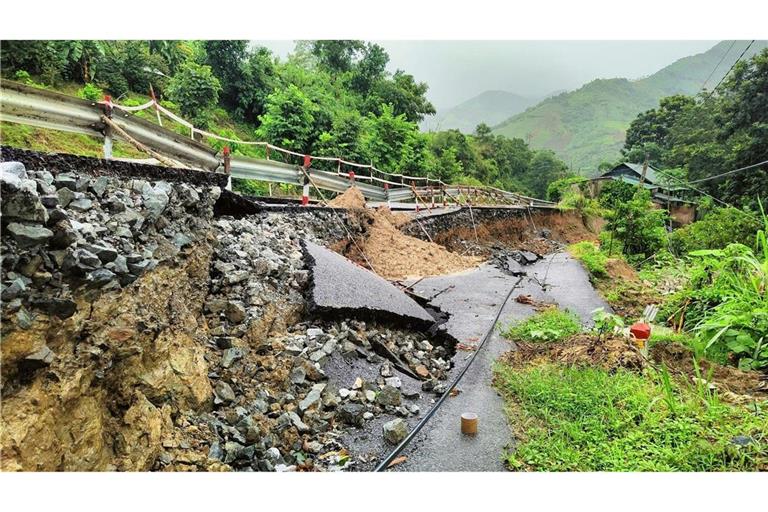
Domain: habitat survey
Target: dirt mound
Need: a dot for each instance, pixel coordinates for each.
(582, 349)
(395, 255)
(679, 359)
(352, 198)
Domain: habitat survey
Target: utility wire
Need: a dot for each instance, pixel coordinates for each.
(728, 173)
(731, 69)
(718, 64)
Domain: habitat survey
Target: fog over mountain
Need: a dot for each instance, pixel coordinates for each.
(457, 71)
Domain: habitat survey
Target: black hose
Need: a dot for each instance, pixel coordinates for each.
(383, 465)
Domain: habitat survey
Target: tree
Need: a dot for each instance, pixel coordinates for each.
(545, 167)
(649, 131)
(256, 82)
(345, 138)
(288, 120)
(404, 94)
(638, 225)
(337, 56)
(385, 137)
(369, 70)
(196, 91)
(226, 60)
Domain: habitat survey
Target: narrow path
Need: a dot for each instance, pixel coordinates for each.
(473, 301)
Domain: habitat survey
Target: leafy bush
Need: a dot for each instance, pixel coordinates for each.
(615, 192)
(726, 303)
(605, 322)
(589, 254)
(557, 189)
(250, 187)
(196, 90)
(638, 225)
(91, 92)
(546, 326)
(717, 229)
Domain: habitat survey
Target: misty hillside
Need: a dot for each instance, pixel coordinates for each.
(489, 107)
(586, 127)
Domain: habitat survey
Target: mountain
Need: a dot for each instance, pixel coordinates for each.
(587, 126)
(489, 107)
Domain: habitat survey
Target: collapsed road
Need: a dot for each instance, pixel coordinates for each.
(162, 323)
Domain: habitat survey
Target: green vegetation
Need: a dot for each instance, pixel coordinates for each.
(638, 226)
(711, 134)
(330, 98)
(592, 257)
(590, 419)
(587, 126)
(715, 230)
(545, 326)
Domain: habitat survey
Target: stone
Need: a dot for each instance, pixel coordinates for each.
(351, 413)
(99, 185)
(422, 371)
(234, 311)
(367, 416)
(106, 253)
(296, 422)
(67, 180)
(231, 356)
(27, 236)
(370, 395)
(155, 201)
(39, 359)
(15, 169)
(358, 383)
(224, 392)
(344, 393)
(100, 277)
(389, 396)
(215, 452)
(312, 397)
(395, 382)
(24, 205)
(395, 431)
(80, 261)
(62, 308)
(386, 370)
(314, 333)
(742, 440)
(298, 375)
(16, 287)
(81, 205)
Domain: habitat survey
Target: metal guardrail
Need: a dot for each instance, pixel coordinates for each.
(27, 105)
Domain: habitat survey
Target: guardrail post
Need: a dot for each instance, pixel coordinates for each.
(386, 193)
(305, 191)
(107, 129)
(228, 167)
(351, 178)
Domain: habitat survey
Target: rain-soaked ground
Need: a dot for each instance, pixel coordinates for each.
(473, 298)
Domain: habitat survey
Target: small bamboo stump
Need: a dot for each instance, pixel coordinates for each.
(469, 423)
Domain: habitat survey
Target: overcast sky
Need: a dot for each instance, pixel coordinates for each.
(459, 70)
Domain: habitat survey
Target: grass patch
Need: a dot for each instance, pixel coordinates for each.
(590, 419)
(545, 326)
(589, 254)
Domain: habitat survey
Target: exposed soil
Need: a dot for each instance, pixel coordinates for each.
(524, 232)
(623, 289)
(352, 199)
(391, 253)
(737, 385)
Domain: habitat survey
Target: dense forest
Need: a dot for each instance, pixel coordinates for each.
(330, 98)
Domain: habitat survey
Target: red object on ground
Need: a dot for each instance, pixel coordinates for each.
(640, 330)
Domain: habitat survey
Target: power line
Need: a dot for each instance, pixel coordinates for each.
(718, 64)
(731, 69)
(729, 172)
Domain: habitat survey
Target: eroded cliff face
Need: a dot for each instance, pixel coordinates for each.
(141, 331)
(103, 325)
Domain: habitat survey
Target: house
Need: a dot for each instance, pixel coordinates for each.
(666, 192)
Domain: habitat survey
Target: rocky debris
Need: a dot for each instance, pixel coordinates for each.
(395, 431)
(92, 232)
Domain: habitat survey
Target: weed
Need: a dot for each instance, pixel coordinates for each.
(545, 326)
(589, 254)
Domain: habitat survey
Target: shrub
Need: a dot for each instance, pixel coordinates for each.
(717, 229)
(589, 254)
(638, 225)
(546, 326)
(557, 189)
(195, 90)
(615, 192)
(91, 92)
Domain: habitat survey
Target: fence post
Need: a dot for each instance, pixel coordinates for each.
(386, 193)
(305, 189)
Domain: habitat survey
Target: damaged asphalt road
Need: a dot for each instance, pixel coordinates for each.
(472, 303)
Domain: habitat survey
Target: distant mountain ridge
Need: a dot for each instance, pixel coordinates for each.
(489, 107)
(587, 126)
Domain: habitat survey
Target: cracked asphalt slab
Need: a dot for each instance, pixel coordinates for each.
(338, 285)
(473, 298)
